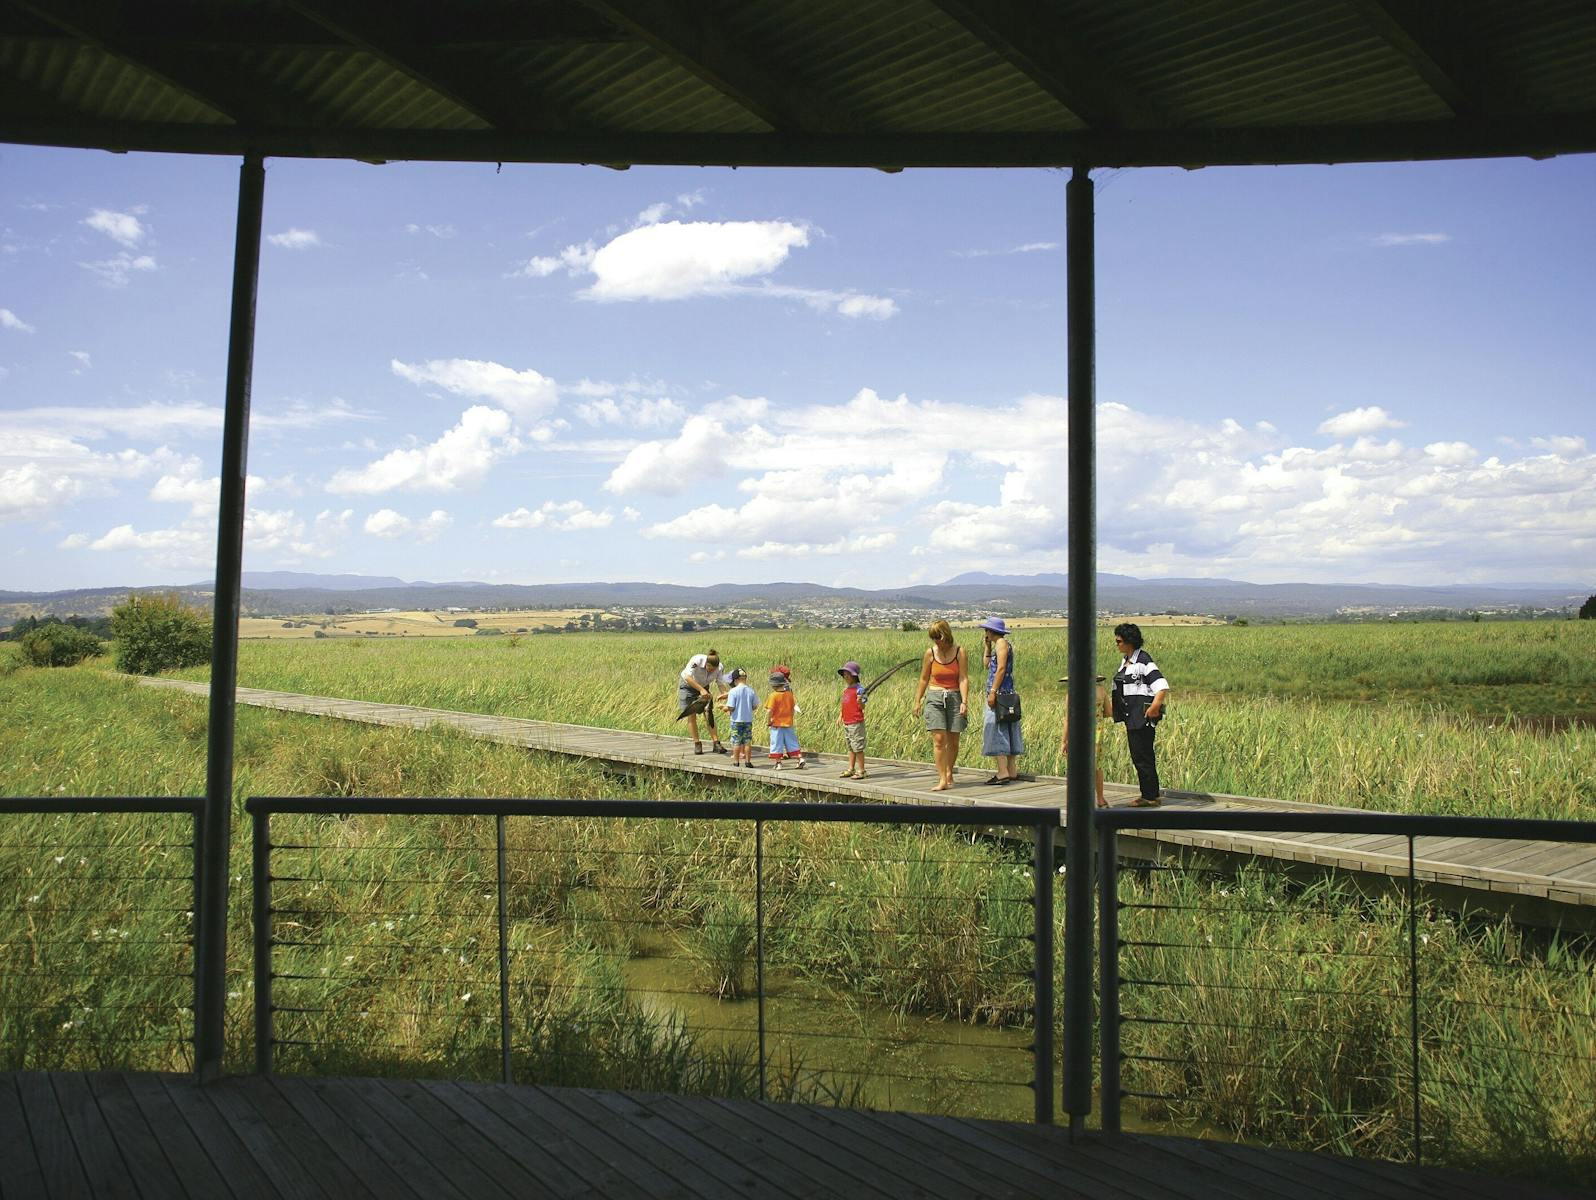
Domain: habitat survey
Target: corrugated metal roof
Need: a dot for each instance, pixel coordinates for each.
(884, 82)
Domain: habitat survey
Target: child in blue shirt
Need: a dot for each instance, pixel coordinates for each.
(740, 704)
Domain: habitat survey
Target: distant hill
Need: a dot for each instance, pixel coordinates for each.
(292, 592)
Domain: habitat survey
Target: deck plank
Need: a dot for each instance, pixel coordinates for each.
(193, 1165)
(102, 1163)
(23, 1176)
(147, 1161)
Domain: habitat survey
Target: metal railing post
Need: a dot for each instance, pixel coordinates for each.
(1042, 1046)
(504, 962)
(759, 942)
(1108, 975)
(1413, 1007)
(261, 897)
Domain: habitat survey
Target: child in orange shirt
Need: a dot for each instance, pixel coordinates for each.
(780, 709)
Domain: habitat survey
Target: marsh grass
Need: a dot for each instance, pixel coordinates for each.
(1400, 717)
(921, 923)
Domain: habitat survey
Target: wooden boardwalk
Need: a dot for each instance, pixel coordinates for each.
(164, 1137)
(1551, 875)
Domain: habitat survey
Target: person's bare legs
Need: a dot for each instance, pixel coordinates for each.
(1007, 766)
(692, 730)
(952, 759)
(1101, 803)
(939, 752)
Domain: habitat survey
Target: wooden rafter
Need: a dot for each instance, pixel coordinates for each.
(691, 34)
(392, 37)
(1035, 39)
(1416, 32)
(96, 24)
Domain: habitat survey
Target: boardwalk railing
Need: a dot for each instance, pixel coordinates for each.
(1332, 1011)
(97, 904)
(560, 941)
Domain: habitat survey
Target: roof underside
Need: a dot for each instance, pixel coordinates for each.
(884, 83)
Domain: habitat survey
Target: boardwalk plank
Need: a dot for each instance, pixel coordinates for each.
(211, 1130)
(97, 1152)
(52, 1140)
(1002, 1174)
(696, 1165)
(840, 1130)
(617, 1167)
(410, 1147)
(21, 1176)
(1263, 1173)
(1046, 1169)
(799, 1173)
(309, 1140)
(272, 1157)
(356, 1151)
(147, 1164)
(193, 1165)
(463, 1137)
(554, 1175)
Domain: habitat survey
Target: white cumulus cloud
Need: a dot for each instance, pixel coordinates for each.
(526, 393)
(462, 456)
(10, 320)
(388, 524)
(123, 228)
(295, 239)
(1358, 422)
(118, 272)
(564, 517)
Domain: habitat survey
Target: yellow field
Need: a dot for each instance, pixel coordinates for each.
(414, 623)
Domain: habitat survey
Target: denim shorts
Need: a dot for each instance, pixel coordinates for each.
(783, 742)
(942, 711)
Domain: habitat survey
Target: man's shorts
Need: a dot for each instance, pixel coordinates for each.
(942, 711)
(784, 743)
(856, 737)
(742, 733)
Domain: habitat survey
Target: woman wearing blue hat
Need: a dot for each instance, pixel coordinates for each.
(1001, 738)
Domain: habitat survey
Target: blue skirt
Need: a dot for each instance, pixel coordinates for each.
(1000, 738)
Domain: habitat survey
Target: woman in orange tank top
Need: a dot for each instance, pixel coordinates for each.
(945, 674)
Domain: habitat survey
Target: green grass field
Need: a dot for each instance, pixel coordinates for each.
(930, 928)
(1488, 719)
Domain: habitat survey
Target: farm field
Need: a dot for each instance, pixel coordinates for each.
(409, 623)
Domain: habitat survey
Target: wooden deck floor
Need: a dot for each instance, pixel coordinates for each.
(1548, 873)
(164, 1137)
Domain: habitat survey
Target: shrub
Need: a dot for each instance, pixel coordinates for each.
(156, 633)
(58, 645)
(1587, 610)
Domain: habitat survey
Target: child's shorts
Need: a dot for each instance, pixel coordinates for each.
(742, 733)
(784, 743)
(856, 737)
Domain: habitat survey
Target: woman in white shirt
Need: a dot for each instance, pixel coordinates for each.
(693, 696)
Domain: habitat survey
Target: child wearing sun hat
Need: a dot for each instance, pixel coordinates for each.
(780, 709)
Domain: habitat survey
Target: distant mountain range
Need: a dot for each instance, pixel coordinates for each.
(291, 592)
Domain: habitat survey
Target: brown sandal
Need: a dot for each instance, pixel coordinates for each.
(1139, 802)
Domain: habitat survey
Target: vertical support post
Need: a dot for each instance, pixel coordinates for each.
(1108, 974)
(759, 942)
(1042, 870)
(210, 968)
(504, 963)
(1080, 795)
(1413, 1008)
(261, 885)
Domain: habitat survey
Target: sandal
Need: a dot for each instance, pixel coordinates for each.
(717, 748)
(992, 780)
(1140, 802)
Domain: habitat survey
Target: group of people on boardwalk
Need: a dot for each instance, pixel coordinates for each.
(942, 699)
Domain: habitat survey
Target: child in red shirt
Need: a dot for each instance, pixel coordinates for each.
(852, 719)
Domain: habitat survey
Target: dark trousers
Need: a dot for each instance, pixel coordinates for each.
(1144, 760)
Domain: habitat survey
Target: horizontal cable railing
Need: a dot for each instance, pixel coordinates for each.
(893, 956)
(97, 904)
(1316, 1008)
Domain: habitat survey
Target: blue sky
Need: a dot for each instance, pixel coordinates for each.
(537, 374)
